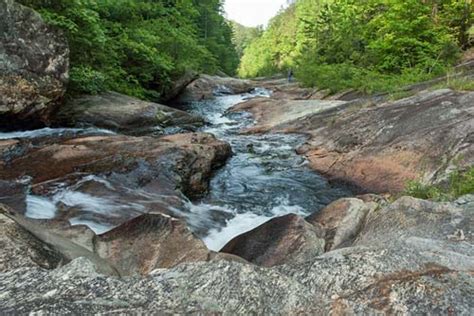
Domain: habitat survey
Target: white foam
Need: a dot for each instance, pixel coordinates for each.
(39, 207)
(217, 119)
(242, 223)
(44, 132)
(199, 215)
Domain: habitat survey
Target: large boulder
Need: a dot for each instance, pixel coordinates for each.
(342, 221)
(34, 63)
(179, 85)
(418, 222)
(281, 240)
(124, 114)
(21, 249)
(150, 242)
(206, 87)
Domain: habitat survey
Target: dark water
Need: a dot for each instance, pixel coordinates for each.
(264, 179)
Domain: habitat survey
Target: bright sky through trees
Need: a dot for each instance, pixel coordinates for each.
(252, 12)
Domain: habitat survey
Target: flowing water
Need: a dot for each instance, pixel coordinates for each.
(54, 132)
(264, 179)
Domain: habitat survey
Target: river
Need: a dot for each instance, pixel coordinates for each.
(264, 178)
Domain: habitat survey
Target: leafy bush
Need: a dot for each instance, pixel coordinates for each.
(337, 77)
(86, 79)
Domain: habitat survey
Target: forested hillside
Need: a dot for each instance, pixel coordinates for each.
(138, 47)
(372, 45)
(243, 36)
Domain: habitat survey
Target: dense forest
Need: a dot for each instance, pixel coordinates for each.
(372, 45)
(138, 47)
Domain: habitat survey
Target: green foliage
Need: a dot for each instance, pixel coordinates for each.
(425, 192)
(84, 78)
(370, 45)
(243, 36)
(338, 77)
(462, 183)
(274, 50)
(138, 47)
(459, 184)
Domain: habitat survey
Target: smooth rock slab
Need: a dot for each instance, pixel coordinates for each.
(124, 114)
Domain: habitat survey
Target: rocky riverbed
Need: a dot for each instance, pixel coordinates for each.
(244, 201)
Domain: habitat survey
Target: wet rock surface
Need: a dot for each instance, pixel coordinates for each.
(34, 64)
(107, 198)
(423, 264)
(377, 147)
(124, 114)
(137, 247)
(186, 161)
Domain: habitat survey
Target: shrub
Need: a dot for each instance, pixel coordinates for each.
(84, 79)
(459, 184)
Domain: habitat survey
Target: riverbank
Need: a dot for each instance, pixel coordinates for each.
(373, 143)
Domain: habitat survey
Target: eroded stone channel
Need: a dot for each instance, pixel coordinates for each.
(263, 179)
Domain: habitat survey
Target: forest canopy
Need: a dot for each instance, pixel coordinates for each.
(370, 45)
(138, 47)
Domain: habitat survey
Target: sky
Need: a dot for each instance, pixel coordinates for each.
(252, 12)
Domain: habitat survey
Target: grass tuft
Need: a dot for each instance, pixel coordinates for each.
(459, 184)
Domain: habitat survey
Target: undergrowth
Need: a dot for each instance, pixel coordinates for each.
(459, 184)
